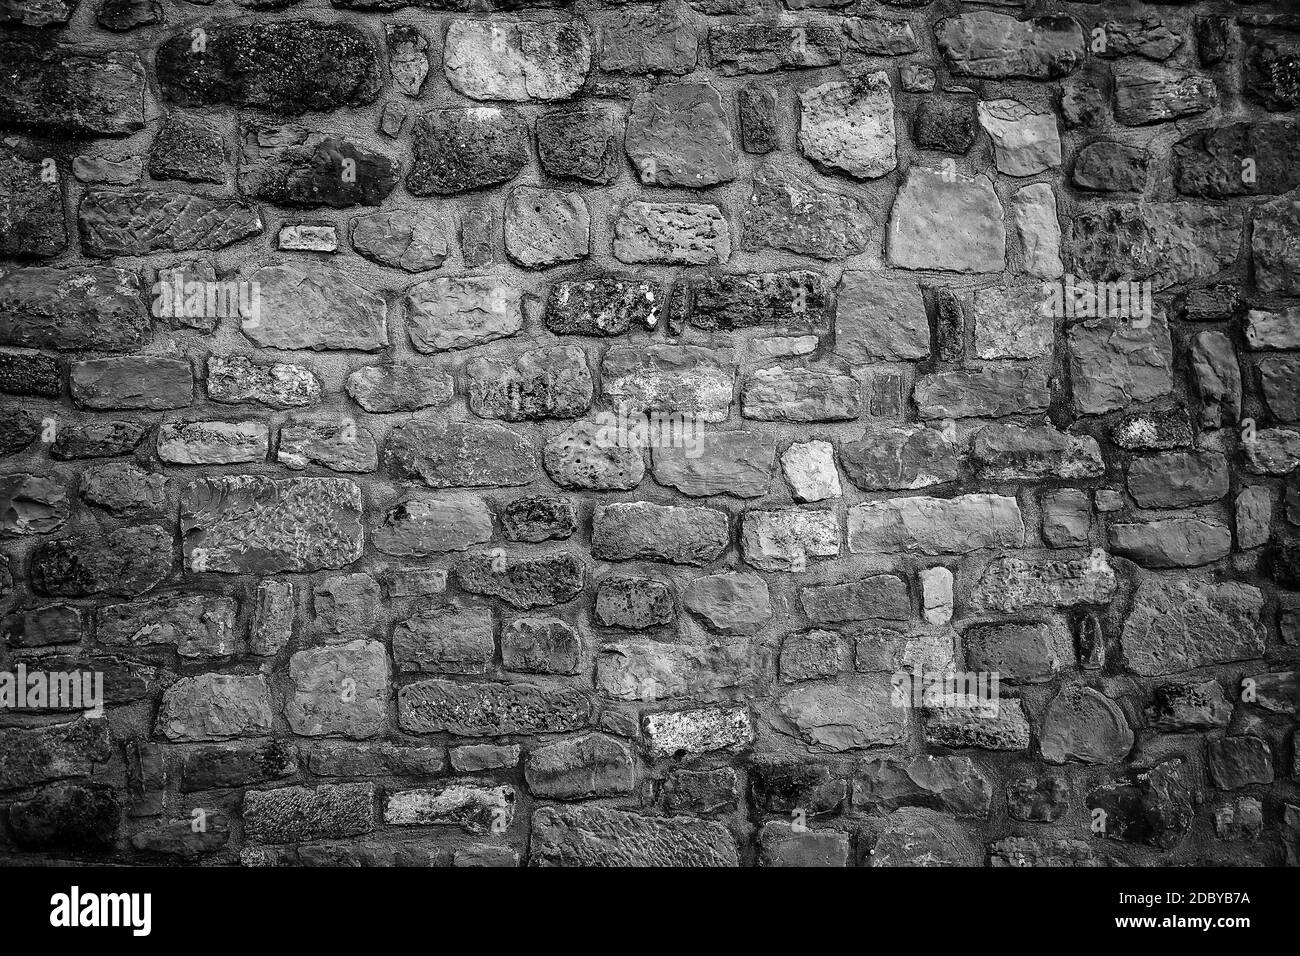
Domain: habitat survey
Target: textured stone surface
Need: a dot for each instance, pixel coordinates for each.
(498, 433)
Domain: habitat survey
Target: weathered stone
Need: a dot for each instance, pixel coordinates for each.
(92, 308)
(1038, 799)
(761, 48)
(737, 463)
(401, 239)
(336, 443)
(142, 221)
(31, 504)
(456, 313)
(460, 454)
(1171, 542)
(489, 710)
(797, 300)
(633, 602)
(671, 233)
(675, 732)
(627, 531)
(294, 814)
(1146, 93)
(648, 40)
(340, 690)
(813, 655)
(879, 596)
(535, 645)
(685, 379)
(253, 524)
(951, 784)
(849, 126)
(936, 525)
(140, 382)
(188, 149)
(34, 755)
(212, 442)
(800, 395)
(1178, 624)
(1212, 162)
(303, 66)
(445, 640)
(1159, 430)
(1169, 243)
(597, 836)
(995, 725)
(701, 791)
(590, 766)
(1082, 724)
(1114, 363)
(1112, 167)
(67, 816)
(788, 212)
(315, 308)
(473, 808)
(607, 305)
(1025, 141)
(1030, 653)
(544, 227)
(993, 45)
(787, 540)
(1273, 451)
(271, 627)
(678, 135)
(952, 223)
(539, 518)
(418, 526)
(31, 204)
(899, 457)
(523, 582)
(503, 60)
(585, 456)
(1239, 762)
(809, 469)
(1177, 479)
(1011, 584)
(880, 36)
(215, 707)
(128, 561)
(43, 626)
(579, 143)
(462, 148)
(1273, 242)
(398, 388)
(234, 379)
(345, 606)
(474, 757)
(1034, 210)
(1188, 705)
(36, 13)
(550, 382)
(880, 318)
(50, 87)
(195, 625)
(730, 603)
(1026, 851)
(1029, 453)
(1217, 377)
(759, 120)
(854, 715)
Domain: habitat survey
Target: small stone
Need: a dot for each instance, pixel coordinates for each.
(456, 313)
(836, 718)
(1152, 807)
(187, 149)
(551, 382)
(1177, 479)
(1112, 167)
(523, 582)
(1239, 762)
(759, 121)
(1082, 724)
(635, 603)
(421, 525)
(670, 733)
(1007, 452)
(598, 836)
(936, 525)
(1067, 517)
(800, 395)
(48, 86)
(685, 379)
(993, 391)
(1011, 584)
(334, 442)
(127, 562)
(809, 469)
(296, 814)
(1113, 364)
(1034, 210)
(952, 784)
(736, 463)
(627, 531)
(947, 125)
(936, 595)
(648, 40)
(31, 504)
(1253, 516)
(408, 57)
(1190, 704)
(194, 625)
(1217, 377)
(234, 379)
(900, 457)
(1042, 799)
(876, 597)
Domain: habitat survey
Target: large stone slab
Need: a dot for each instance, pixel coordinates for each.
(849, 126)
(502, 60)
(598, 836)
(138, 222)
(94, 308)
(318, 308)
(954, 223)
(936, 525)
(50, 87)
(1179, 623)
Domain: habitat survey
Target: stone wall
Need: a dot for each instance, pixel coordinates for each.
(484, 432)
